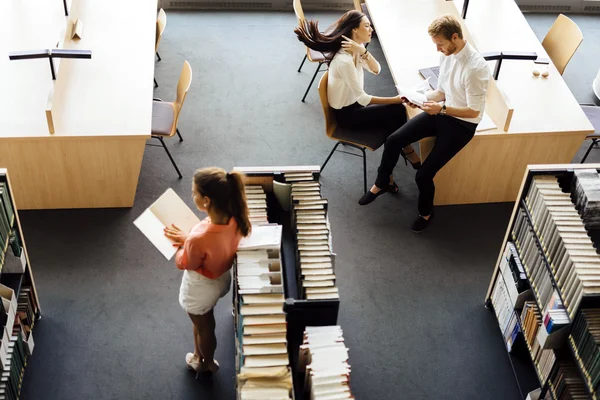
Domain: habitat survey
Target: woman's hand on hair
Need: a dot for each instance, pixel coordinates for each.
(176, 235)
(352, 47)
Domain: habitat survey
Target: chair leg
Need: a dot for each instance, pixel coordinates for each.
(588, 150)
(311, 81)
(162, 141)
(329, 156)
(179, 134)
(302, 63)
(158, 55)
(155, 83)
(364, 157)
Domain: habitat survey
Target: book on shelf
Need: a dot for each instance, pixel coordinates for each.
(323, 357)
(574, 263)
(261, 342)
(169, 209)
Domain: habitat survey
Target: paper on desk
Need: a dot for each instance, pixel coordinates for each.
(486, 123)
(415, 95)
(167, 210)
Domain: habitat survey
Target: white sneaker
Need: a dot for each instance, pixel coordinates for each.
(192, 362)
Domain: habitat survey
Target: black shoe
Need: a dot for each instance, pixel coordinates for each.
(416, 165)
(421, 224)
(370, 197)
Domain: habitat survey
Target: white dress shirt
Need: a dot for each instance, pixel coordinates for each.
(464, 79)
(347, 80)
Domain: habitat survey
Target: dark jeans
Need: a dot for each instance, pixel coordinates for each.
(388, 117)
(452, 134)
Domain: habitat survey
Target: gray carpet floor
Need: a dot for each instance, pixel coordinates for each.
(411, 305)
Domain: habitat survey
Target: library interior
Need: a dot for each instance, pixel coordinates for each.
(350, 199)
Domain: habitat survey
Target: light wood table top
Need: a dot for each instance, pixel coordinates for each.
(540, 104)
(108, 95)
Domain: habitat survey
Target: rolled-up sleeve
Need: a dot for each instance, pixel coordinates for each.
(476, 86)
(347, 71)
(365, 65)
(191, 256)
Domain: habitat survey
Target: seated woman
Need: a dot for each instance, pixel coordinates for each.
(346, 55)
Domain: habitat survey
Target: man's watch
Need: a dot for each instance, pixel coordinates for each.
(443, 110)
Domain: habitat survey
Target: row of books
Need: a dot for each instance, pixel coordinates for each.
(324, 358)
(543, 358)
(313, 234)
(565, 382)
(585, 193)
(585, 343)
(505, 313)
(539, 274)
(574, 262)
(555, 315)
(8, 235)
(256, 199)
(12, 373)
(262, 361)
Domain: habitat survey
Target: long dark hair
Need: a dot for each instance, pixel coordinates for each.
(328, 43)
(227, 194)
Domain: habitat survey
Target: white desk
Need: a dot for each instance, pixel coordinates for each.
(102, 107)
(548, 126)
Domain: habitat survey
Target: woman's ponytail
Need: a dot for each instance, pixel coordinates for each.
(238, 208)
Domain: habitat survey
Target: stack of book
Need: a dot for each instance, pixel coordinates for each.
(505, 313)
(262, 361)
(7, 218)
(543, 358)
(324, 357)
(316, 259)
(565, 382)
(16, 345)
(585, 192)
(566, 244)
(515, 277)
(532, 258)
(585, 343)
(256, 199)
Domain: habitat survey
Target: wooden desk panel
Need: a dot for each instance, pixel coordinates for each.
(102, 107)
(548, 126)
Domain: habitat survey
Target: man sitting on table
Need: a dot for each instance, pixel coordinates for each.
(451, 115)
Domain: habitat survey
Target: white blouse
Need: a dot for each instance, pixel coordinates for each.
(346, 81)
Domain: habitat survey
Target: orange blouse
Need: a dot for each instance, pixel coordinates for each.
(209, 248)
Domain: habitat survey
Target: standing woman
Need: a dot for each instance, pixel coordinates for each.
(206, 255)
(346, 55)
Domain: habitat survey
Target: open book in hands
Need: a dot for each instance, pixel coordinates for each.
(415, 95)
(167, 210)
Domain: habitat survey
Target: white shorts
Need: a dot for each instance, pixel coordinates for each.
(199, 294)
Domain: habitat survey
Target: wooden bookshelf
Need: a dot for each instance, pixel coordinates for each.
(564, 350)
(17, 282)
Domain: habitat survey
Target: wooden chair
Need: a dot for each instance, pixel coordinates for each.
(311, 55)
(593, 113)
(561, 41)
(161, 23)
(359, 139)
(166, 114)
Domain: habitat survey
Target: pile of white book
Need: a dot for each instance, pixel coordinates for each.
(324, 357)
(313, 235)
(262, 360)
(256, 199)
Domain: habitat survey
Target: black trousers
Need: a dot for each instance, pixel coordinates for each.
(388, 117)
(452, 134)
